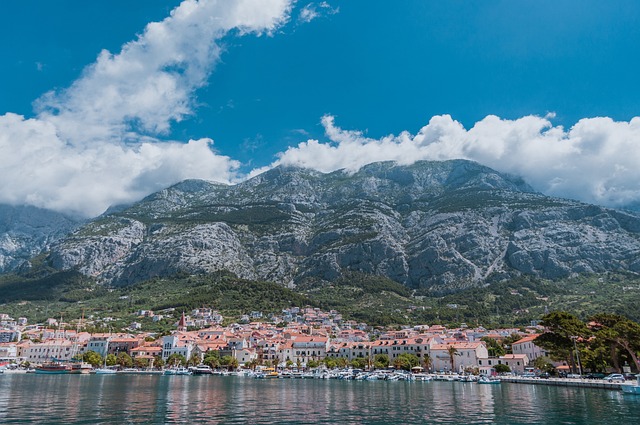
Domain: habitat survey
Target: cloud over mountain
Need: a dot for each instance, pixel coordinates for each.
(594, 161)
(97, 142)
(93, 144)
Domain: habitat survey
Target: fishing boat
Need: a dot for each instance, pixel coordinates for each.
(53, 368)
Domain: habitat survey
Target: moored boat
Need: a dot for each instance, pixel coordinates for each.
(632, 389)
(105, 371)
(487, 380)
(267, 373)
(201, 370)
(177, 371)
(81, 368)
(53, 368)
(422, 377)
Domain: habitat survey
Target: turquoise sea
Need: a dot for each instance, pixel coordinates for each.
(156, 399)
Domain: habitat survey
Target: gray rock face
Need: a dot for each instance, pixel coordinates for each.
(27, 231)
(442, 225)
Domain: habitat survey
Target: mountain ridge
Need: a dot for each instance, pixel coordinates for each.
(443, 226)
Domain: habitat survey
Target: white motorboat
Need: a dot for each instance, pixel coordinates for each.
(632, 389)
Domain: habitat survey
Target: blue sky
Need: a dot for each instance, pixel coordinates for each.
(371, 68)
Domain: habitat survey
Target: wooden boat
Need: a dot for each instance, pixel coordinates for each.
(53, 368)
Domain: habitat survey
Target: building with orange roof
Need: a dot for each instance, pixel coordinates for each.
(54, 348)
(122, 344)
(516, 362)
(527, 346)
(146, 351)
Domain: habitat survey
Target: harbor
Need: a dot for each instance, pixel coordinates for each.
(231, 399)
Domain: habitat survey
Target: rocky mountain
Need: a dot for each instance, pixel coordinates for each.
(438, 225)
(27, 231)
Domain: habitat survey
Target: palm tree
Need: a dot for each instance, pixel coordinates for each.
(194, 360)
(453, 351)
(427, 361)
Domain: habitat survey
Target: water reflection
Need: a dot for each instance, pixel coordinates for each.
(66, 399)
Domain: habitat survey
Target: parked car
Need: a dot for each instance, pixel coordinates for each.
(614, 377)
(528, 375)
(595, 375)
(629, 376)
(544, 375)
(573, 375)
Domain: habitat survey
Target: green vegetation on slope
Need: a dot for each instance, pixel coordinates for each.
(375, 300)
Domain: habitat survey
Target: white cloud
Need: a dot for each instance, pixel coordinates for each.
(595, 161)
(41, 169)
(151, 82)
(312, 11)
(94, 143)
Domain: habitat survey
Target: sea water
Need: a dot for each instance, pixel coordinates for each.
(157, 399)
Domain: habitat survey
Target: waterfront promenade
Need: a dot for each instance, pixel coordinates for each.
(568, 382)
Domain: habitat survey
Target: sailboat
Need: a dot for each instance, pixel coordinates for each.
(104, 370)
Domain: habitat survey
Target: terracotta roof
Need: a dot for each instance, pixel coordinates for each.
(525, 339)
(514, 356)
(457, 345)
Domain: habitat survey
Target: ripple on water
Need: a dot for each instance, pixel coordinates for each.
(133, 399)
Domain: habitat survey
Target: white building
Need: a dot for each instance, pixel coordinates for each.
(8, 352)
(516, 362)
(7, 335)
(98, 343)
(467, 355)
(527, 346)
(58, 349)
(178, 343)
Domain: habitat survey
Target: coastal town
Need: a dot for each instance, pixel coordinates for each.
(300, 338)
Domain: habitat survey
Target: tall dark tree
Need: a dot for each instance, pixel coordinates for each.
(564, 330)
(619, 332)
(494, 348)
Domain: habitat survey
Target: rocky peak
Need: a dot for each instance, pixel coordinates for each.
(442, 225)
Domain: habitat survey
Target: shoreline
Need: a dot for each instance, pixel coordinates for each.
(558, 382)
